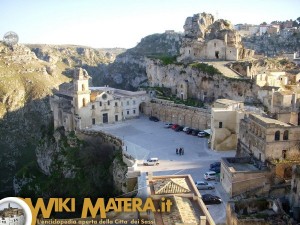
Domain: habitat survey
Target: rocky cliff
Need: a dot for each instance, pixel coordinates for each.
(115, 67)
(69, 165)
(273, 45)
(204, 82)
(25, 83)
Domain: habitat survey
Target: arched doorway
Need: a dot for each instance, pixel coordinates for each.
(142, 107)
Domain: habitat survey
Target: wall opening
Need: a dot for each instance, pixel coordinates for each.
(83, 102)
(217, 54)
(277, 135)
(105, 118)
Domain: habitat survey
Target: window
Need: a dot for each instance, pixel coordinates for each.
(100, 103)
(116, 104)
(277, 135)
(220, 124)
(286, 135)
(93, 121)
(215, 44)
(127, 112)
(116, 118)
(127, 102)
(134, 111)
(83, 102)
(83, 87)
(108, 102)
(93, 106)
(284, 154)
(134, 102)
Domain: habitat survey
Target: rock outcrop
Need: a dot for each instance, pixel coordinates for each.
(201, 85)
(205, 38)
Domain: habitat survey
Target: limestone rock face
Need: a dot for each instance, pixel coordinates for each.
(195, 27)
(200, 85)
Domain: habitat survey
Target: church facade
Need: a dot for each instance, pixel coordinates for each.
(77, 106)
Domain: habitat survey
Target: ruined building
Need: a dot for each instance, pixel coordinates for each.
(207, 39)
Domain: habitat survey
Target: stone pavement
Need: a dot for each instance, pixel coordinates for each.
(145, 139)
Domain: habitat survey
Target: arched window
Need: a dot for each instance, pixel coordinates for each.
(277, 135)
(286, 135)
(83, 102)
(83, 87)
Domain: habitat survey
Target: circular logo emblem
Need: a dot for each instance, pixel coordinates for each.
(14, 211)
(10, 38)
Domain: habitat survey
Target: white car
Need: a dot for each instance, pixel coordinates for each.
(210, 175)
(185, 129)
(203, 185)
(168, 125)
(151, 162)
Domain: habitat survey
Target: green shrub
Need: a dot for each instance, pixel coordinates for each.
(203, 67)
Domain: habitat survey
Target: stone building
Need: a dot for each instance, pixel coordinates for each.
(267, 139)
(12, 216)
(187, 205)
(274, 79)
(207, 39)
(295, 192)
(76, 105)
(168, 111)
(225, 122)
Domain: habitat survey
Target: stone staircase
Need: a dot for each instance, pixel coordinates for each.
(220, 65)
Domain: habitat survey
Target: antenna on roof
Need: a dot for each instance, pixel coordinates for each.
(217, 15)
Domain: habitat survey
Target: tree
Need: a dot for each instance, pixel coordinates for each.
(263, 23)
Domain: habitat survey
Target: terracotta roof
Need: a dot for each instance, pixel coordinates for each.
(182, 212)
(171, 186)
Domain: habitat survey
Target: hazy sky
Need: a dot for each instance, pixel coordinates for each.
(122, 23)
(12, 204)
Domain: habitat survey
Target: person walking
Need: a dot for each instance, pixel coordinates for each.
(176, 151)
(180, 150)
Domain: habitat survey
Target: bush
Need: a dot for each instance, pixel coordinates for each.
(203, 67)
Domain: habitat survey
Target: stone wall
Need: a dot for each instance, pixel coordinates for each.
(168, 111)
(232, 218)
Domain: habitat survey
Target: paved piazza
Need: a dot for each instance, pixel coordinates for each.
(145, 138)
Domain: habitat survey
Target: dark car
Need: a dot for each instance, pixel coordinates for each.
(179, 128)
(216, 169)
(153, 118)
(211, 199)
(195, 132)
(189, 131)
(215, 164)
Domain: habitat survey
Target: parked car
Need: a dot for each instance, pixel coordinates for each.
(202, 134)
(210, 175)
(211, 199)
(216, 169)
(215, 164)
(185, 129)
(151, 162)
(179, 128)
(153, 118)
(203, 185)
(189, 131)
(195, 132)
(168, 125)
(174, 126)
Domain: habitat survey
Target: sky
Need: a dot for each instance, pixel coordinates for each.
(123, 23)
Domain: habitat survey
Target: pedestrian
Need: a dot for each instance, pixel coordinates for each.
(180, 150)
(176, 151)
